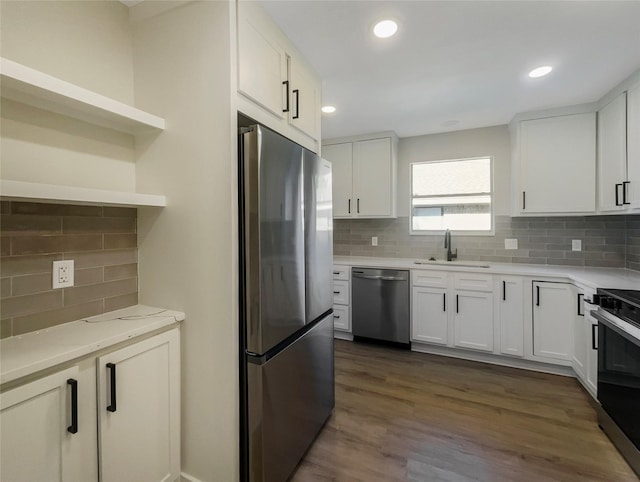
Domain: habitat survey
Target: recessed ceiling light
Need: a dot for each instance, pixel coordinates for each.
(385, 28)
(540, 71)
(328, 109)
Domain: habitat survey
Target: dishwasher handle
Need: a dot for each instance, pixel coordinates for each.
(384, 278)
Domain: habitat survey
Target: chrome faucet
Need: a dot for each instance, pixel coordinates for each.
(447, 244)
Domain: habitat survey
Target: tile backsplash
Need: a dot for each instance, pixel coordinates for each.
(102, 241)
(607, 241)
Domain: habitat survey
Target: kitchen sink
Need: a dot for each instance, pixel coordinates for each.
(462, 264)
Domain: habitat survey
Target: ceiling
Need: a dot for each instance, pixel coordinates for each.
(457, 65)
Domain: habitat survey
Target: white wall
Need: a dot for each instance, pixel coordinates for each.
(88, 44)
(188, 258)
(488, 141)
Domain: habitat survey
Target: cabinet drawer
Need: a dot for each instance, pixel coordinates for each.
(341, 319)
(341, 273)
(436, 279)
(341, 292)
(473, 282)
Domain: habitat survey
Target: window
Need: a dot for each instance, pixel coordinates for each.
(455, 195)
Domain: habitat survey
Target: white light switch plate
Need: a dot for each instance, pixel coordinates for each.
(62, 274)
(374, 240)
(510, 244)
(576, 245)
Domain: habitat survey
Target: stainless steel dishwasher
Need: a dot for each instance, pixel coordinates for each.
(380, 304)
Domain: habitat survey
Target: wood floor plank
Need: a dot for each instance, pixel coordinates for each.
(406, 416)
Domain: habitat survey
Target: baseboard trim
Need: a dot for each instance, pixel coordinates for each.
(343, 335)
(505, 361)
(184, 477)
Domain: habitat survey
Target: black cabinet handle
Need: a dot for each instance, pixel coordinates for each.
(580, 313)
(504, 290)
(336, 272)
(594, 329)
(457, 304)
(537, 296)
(336, 292)
(112, 381)
(336, 317)
(524, 200)
(624, 192)
(286, 84)
(349, 206)
(296, 92)
(358, 205)
(73, 428)
(618, 203)
(444, 302)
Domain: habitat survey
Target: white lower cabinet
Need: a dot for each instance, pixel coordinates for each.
(473, 320)
(510, 315)
(49, 427)
(139, 411)
(580, 355)
(444, 314)
(341, 296)
(554, 308)
(429, 317)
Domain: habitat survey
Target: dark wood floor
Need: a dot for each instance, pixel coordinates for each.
(409, 416)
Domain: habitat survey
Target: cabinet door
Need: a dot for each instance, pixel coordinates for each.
(139, 410)
(262, 63)
(429, 315)
(341, 318)
(553, 314)
(633, 147)
(511, 313)
(36, 445)
(473, 320)
(592, 354)
(341, 158)
(579, 358)
(612, 153)
(372, 176)
(304, 112)
(558, 164)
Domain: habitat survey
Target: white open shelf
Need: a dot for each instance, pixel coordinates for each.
(51, 193)
(29, 86)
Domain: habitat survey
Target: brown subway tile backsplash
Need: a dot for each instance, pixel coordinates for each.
(102, 241)
(607, 241)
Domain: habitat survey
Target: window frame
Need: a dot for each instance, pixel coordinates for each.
(440, 232)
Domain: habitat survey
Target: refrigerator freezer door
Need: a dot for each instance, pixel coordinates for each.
(318, 235)
(289, 399)
(273, 238)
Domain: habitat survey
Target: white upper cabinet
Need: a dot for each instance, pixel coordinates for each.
(632, 189)
(364, 176)
(276, 87)
(556, 161)
(612, 154)
(304, 99)
(262, 64)
(341, 157)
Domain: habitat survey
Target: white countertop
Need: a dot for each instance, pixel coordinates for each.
(26, 354)
(615, 278)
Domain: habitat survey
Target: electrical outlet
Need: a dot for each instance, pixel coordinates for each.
(576, 245)
(62, 274)
(510, 244)
(374, 240)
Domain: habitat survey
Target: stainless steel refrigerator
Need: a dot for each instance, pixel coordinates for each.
(286, 302)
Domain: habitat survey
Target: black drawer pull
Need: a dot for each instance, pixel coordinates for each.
(296, 92)
(286, 84)
(336, 317)
(457, 305)
(73, 428)
(618, 203)
(594, 329)
(504, 291)
(444, 302)
(112, 382)
(624, 192)
(537, 296)
(336, 292)
(580, 312)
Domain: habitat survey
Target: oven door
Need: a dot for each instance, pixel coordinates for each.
(619, 375)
